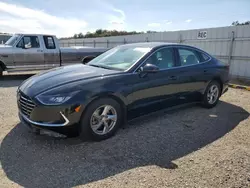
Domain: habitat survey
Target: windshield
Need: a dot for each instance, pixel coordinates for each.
(12, 40)
(120, 58)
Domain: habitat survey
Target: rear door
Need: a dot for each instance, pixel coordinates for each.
(28, 53)
(51, 53)
(192, 72)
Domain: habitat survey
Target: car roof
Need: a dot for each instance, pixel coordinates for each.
(154, 44)
(33, 34)
(157, 45)
(147, 44)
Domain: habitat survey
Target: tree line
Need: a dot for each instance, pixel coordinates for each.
(106, 33)
(237, 23)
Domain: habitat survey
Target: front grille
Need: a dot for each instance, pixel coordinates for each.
(26, 105)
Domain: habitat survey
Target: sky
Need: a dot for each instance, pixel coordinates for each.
(64, 18)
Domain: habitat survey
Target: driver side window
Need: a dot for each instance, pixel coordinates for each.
(20, 44)
(163, 58)
(28, 42)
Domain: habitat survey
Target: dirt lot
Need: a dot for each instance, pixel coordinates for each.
(190, 147)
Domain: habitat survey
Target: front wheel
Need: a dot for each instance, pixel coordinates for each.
(211, 95)
(101, 119)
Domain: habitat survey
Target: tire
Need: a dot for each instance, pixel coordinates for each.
(95, 116)
(206, 98)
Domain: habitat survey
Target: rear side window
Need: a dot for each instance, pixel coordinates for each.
(188, 57)
(204, 57)
(49, 42)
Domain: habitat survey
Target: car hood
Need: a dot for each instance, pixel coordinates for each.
(60, 76)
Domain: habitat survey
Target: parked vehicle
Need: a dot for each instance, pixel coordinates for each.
(28, 52)
(96, 97)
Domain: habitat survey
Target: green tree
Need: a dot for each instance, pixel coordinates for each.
(99, 31)
(89, 35)
(80, 35)
(151, 31)
(237, 23)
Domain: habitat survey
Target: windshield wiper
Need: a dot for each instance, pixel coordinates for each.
(100, 66)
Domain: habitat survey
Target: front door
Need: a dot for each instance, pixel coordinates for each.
(29, 53)
(159, 87)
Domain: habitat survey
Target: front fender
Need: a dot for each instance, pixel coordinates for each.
(118, 96)
(6, 59)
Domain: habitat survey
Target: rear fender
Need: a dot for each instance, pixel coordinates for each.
(218, 79)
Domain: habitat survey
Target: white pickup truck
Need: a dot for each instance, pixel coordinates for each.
(28, 52)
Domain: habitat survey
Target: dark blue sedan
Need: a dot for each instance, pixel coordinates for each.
(95, 98)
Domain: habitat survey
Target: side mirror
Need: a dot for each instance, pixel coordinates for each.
(87, 59)
(149, 68)
(26, 46)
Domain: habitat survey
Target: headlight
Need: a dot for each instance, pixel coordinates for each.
(55, 99)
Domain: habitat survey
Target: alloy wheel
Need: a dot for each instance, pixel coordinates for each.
(103, 119)
(212, 94)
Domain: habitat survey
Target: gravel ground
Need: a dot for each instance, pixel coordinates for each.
(188, 147)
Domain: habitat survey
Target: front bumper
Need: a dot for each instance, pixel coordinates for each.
(44, 116)
(55, 130)
(26, 120)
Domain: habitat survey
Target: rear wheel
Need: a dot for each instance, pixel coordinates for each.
(101, 120)
(211, 95)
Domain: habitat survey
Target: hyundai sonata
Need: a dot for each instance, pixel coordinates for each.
(96, 97)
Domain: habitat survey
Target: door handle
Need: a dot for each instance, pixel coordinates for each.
(172, 77)
(39, 50)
